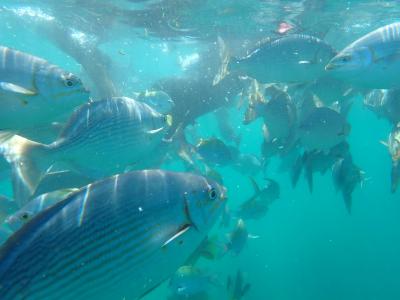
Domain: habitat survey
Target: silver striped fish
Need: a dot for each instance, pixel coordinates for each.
(35, 91)
(117, 238)
(372, 61)
(100, 139)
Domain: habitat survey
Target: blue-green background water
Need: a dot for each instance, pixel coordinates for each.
(308, 246)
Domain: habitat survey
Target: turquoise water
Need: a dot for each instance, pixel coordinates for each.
(307, 245)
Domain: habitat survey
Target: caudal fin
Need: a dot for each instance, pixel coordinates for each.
(225, 57)
(29, 162)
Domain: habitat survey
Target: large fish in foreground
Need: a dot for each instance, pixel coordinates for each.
(100, 139)
(34, 92)
(114, 239)
(372, 61)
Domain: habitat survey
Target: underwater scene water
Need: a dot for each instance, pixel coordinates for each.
(186, 149)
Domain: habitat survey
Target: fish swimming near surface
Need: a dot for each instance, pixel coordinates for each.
(35, 91)
(116, 238)
(293, 58)
(100, 139)
(371, 61)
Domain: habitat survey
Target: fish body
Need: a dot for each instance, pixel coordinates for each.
(323, 129)
(289, 59)
(190, 281)
(35, 91)
(100, 139)
(158, 100)
(385, 103)
(394, 150)
(7, 207)
(17, 219)
(117, 238)
(346, 176)
(257, 206)
(236, 287)
(248, 164)
(237, 239)
(216, 152)
(371, 61)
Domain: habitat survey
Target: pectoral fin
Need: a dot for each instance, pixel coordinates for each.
(181, 231)
(16, 89)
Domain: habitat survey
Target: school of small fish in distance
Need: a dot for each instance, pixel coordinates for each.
(94, 213)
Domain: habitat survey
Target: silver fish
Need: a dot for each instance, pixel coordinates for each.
(323, 129)
(117, 238)
(292, 58)
(100, 139)
(371, 61)
(16, 220)
(35, 91)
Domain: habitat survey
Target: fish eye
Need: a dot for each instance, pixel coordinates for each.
(212, 194)
(70, 81)
(346, 58)
(25, 216)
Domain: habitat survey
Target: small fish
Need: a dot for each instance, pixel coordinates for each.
(385, 103)
(100, 139)
(317, 161)
(371, 61)
(142, 225)
(158, 100)
(346, 176)
(190, 281)
(16, 220)
(394, 150)
(257, 206)
(7, 207)
(236, 288)
(248, 164)
(215, 152)
(237, 239)
(323, 129)
(35, 91)
(292, 58)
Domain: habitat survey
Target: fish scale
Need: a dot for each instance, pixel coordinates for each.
(64, 253)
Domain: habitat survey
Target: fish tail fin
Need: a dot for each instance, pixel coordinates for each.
(256, 188)
(309, 177)
(347, 201)
(225, 58)
(255, 100)
(296, 170)
(29, 162)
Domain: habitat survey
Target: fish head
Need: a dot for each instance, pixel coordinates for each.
(17, 220)
(158, 100)
(204, 204)
(351, 59)
(60, 86)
